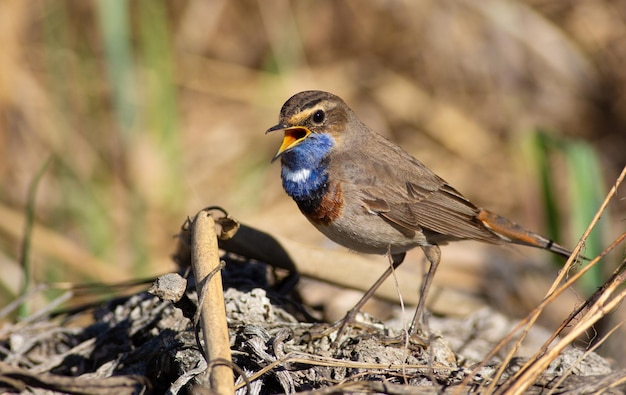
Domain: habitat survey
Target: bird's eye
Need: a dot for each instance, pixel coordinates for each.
(319, 116)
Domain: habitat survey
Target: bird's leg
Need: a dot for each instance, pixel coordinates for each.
(419, 326)
(396, 260)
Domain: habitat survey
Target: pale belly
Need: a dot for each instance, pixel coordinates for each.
(370, 234)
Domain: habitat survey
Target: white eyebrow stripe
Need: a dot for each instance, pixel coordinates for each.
(299, 117)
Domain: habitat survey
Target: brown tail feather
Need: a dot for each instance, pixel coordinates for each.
(514, 233)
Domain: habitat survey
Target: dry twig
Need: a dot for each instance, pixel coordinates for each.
(206, 266)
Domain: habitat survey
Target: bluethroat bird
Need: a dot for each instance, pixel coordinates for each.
(369, 195)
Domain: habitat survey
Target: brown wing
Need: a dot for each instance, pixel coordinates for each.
(444, 211)
(405, 192)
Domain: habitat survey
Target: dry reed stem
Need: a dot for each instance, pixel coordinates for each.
(531, 318)
(532, 369)
(602, 306)
(584, 355)
(205, 261)
(317, 360)
(570, 282)
(552, 293)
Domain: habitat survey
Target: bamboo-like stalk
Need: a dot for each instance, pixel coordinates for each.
(205, 261)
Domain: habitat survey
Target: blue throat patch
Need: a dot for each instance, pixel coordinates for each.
(303, 170)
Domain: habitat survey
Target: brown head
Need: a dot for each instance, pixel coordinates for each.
(312, 112)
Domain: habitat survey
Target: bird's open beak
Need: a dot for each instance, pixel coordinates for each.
(294, 135)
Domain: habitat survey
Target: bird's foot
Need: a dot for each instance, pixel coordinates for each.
(339, 328)
(338, 331)
(417, 337)
(419, 340)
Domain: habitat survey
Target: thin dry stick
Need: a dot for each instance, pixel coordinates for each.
(205, 261)
(546, 301)
(524, 323)
(567, 321)
(530, 368)
(602, 306)
(552, 292)
(301, 358)
(597, 344)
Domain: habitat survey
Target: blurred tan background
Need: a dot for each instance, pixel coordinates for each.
(149, 111)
